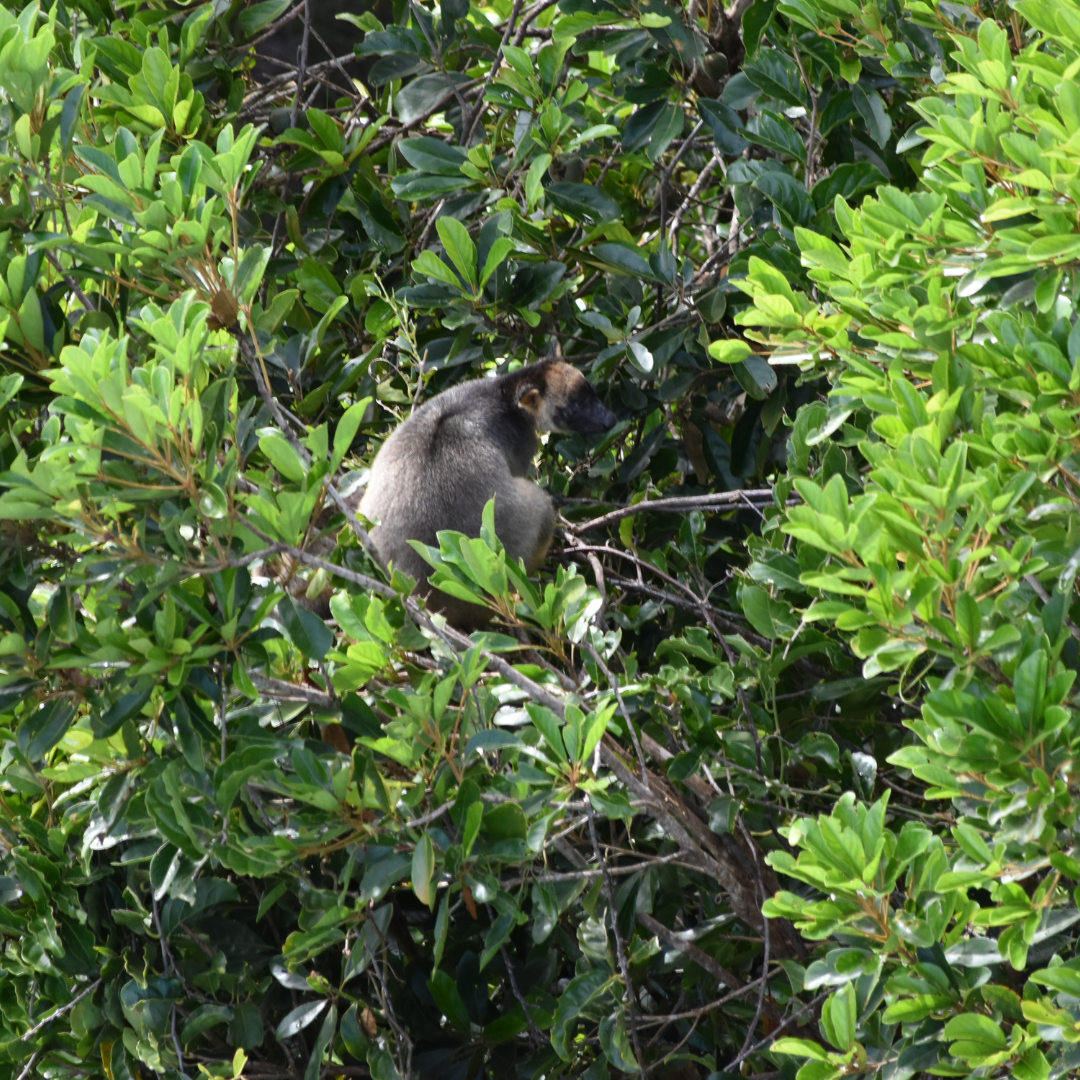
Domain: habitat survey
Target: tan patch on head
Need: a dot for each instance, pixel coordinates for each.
(563, 380)
(557, 384)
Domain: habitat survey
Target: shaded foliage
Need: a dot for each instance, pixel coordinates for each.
(805, 644)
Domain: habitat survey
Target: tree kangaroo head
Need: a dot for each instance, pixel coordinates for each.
(558, 398)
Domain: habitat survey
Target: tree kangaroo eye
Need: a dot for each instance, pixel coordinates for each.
(477, 440)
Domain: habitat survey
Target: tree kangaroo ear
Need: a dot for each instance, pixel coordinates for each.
(530, 401)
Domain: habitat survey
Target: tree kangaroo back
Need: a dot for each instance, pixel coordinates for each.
(472, 442)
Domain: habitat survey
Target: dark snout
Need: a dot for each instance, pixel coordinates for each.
(585, 413)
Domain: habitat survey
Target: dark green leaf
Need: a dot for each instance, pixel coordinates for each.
(583, 202)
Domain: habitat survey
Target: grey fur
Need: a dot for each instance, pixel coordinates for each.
(472, 442)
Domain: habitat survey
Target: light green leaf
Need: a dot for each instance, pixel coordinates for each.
(459, 247)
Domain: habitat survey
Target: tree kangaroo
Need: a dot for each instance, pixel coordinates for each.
(465, 445)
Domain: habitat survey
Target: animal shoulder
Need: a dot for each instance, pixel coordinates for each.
(469, 415)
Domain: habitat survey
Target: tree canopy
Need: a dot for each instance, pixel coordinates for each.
(769, 772)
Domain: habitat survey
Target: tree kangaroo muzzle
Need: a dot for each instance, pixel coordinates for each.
(471, 442)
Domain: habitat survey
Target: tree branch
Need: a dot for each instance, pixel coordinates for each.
(680, 504)
(57, 1013)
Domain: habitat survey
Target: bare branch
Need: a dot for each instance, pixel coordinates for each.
(629, 997)
(301, 73)
(57, 1013)
(679, 504)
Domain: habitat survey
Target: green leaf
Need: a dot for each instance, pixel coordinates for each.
(45, 728)
(423, 869)
(788, 196)
(427, 262)
(202, 1019)
(346, 431)
(447, 996)
(776, 74)
(30, 322)
(473, 817)
(756, 377)
(623, 259)
(730, 350)
(459, 247)
(496, 256)
(322, 1043)
(305, 629)
(871, 108)
(246, 1029)
(839, 1017)
(327, 130)
(579, 992)
(725, 125)
(299, 1018)
(595, 732)
(799, 1048)
(968, 620)
(1063, 980)
(496, 938)
(669, 127)
(1030, 688)
(250, 275)
(432, 155)
(548, 726)
(774, 131)
(1052, 248)
(535, 282)
(979, 1035)
(382, 875)
(261, 15)
(582, 202)
(423, 95)
(283, 456)
(535, 177)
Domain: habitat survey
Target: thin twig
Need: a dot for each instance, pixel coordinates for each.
(614, 683)
(268, 89)
(691, 952)
(811, 148)
(176, 1044)
(340, 65)
(287, 424)
(427, 819)
(301, 74)
(665, 176)
(30, 1065)
(75, 287)
(691, 602)
(385, 139)
(751, 727)
(679, 503)
(482, 104)
(585, 874)
(771, 1037)
(534, 1031)
(695, 191)
(274, 27)
(760, 1006)
(629, 997)
(286, 691)
(60, 1012)
(701, 1010)
(528, 17)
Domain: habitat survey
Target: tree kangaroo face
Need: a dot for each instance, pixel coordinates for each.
(563, 401)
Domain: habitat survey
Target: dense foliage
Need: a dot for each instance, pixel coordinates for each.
(806, 644)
